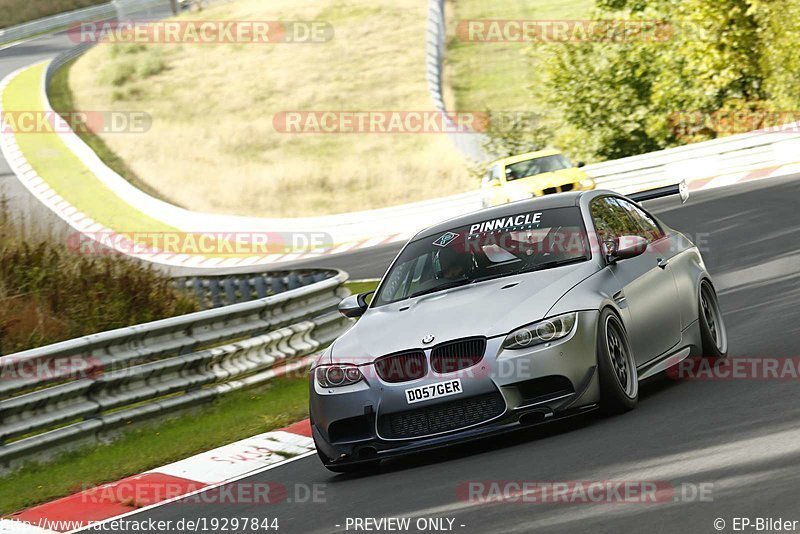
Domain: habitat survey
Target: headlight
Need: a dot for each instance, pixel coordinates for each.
(335, 376)
(587, 183)
(545, 331)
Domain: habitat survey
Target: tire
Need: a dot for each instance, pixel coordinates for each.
(712, 326)
(619, 384)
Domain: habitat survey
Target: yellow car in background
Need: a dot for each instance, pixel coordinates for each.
(534, 174)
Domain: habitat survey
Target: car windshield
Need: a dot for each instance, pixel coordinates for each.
(486, 249)
(532, 167)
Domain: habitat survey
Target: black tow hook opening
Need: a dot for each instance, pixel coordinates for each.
(367, 453)
(533, 418)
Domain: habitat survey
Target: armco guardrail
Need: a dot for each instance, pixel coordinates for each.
(75, 391)
(62, 59)
(56, 22)
(727, 155)
(469, 144)
(224, 290)
(115, 9)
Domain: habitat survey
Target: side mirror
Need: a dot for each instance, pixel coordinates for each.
(355, 305)
(581, 164)
(626, 247)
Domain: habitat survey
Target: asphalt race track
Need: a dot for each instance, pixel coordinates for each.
(21, 205)
(739, 436)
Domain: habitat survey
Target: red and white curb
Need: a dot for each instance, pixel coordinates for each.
(165, 484)
(726, 180)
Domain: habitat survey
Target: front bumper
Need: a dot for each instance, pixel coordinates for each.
(506, 390)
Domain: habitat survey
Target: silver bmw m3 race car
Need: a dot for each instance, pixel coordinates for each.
(513, 316)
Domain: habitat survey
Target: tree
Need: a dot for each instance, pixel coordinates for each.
(509, 134)
(715, 61)
(603, 92)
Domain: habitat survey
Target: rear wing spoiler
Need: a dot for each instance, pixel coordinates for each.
(678, 189)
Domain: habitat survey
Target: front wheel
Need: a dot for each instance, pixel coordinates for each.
(619, 383)
(712, 326)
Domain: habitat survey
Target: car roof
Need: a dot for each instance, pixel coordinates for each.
(526, 156)
(560, 200)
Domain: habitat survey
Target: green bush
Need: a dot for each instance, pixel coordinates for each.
(119, 73)
(121, 49)
(132, 63)
(720, 59)
(48, 294)
(151, 65)
(14, 12)
(514, 133)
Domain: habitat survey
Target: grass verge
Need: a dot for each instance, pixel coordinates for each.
(66, 174)
(62, 100)
(500, 76)
(234, 416)
(48, 294)
(213, 145)
(62, 169)
(361, 286)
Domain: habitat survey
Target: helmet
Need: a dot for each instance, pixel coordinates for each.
(454, 261)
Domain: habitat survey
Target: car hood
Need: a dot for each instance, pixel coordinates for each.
(490, 308)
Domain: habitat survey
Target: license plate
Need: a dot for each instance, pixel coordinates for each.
(433, 391)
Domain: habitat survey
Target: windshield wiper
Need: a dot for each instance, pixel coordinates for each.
(526, 269)
(442, 287)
